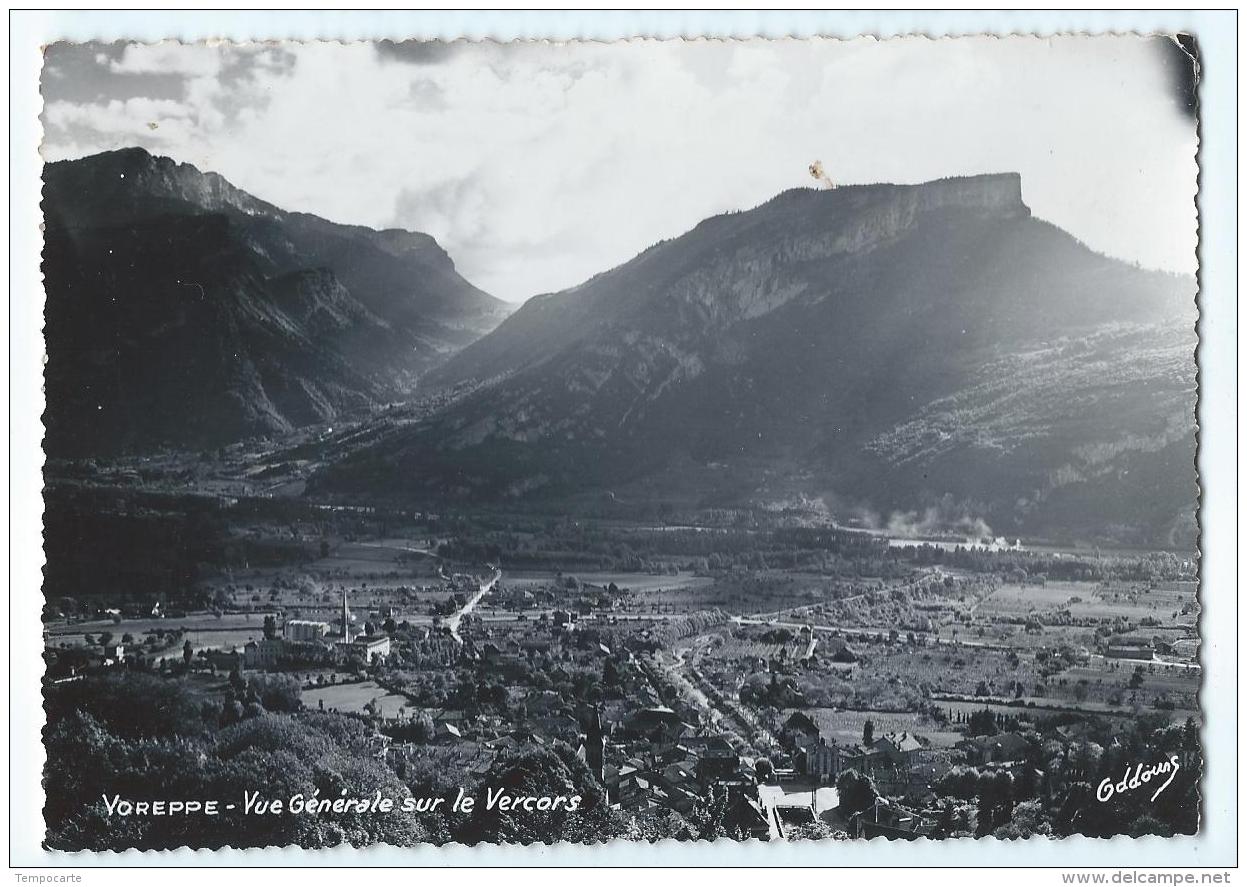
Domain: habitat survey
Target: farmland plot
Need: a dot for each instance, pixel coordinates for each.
(355, 698)
(1022, 600)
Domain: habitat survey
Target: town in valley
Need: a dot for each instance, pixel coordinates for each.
(753, 673)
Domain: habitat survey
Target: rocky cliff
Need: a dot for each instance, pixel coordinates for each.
(816, 342)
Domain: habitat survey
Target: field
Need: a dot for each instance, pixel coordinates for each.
(1087, 601)
(637, 583)
(1021, 600)
(203, 630)
(354, 697)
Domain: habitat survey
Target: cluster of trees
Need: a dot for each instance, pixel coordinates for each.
(146, 738)
(664, 635)
(1053, 790)
(1027, 566)
(986, 722)
(583, 545)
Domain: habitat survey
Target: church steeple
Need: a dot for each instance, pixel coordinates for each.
(346, 619)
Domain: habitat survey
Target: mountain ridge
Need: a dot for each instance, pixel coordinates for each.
(785, 341)
(271, 319)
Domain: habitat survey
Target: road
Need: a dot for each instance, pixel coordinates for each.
(400, 546)
(838, 629)
(452, 622)
(887, 589)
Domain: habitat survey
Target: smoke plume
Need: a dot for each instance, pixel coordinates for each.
(819, 174)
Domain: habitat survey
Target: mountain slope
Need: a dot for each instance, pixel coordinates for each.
(814, 344)
(182, 311)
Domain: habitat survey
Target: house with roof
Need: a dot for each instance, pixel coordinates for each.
(1130, 648)
(889, 820)
(799, 730)
(863, 760)
(447, 734)
(822, 760)
(745, 815)
(899, 748)
(657, 723)
(263, 653)
(1003, 748)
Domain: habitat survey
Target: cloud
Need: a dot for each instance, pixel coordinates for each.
(169, 57)
(417, 52)
(538, 165)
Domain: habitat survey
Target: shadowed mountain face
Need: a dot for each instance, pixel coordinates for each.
(929, 356)
(182, 311)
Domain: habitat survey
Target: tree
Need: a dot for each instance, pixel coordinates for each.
(610, 673)
(982, 722)
(1029, 818)
(270, 627)
(277, 692)
(868, 732)
(536, 772)
(960, 782)
(857, 791)
(187, 653)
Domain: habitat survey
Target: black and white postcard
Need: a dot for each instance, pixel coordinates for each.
(480, 442)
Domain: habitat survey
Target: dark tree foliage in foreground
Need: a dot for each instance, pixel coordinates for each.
(141, 737)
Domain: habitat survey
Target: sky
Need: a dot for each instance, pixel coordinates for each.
(537, 165)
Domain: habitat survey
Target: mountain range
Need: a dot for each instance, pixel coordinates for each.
(923, 357)
(183, 312)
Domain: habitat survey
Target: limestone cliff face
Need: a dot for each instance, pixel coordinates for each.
(804, 338)
(738, 267)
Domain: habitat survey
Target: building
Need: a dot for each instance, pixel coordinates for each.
(592, 748)
(717, 760)
(658, 723)
(224, 660)
(264, 653)
(346, 620)
(114, 654)
(800, 731)
(822, 760)
(1002, 748)
(301, 631)
(1130, 648)
(888, 820)
(370, 648)
(899, 748)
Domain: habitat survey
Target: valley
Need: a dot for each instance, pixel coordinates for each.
(881, 492)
